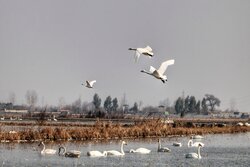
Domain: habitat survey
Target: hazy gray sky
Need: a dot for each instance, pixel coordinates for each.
(54, 46)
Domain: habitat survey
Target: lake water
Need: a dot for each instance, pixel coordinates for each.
(220, 150)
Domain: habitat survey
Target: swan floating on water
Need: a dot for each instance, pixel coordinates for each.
(177, 144)
(195, 155)
(247, 124)
(195, 144)
(239, 124)
(89, 84)
(96, 153)
(147, 51)
(117, 153)
(162, 149)
(197, 137)
(71, 153)
(159, 74)
(46, 151)
(140, 151)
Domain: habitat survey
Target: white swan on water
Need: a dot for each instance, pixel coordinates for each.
(89, 84)
(247, 124)
(96, 153)
(147, 51)
(177, 144)
(46, 151)
(71, 153)
(140, 151)
(159, 74)
(195, 144)
(117, 153)
(197, 137)
(195, 155)
(162, 149)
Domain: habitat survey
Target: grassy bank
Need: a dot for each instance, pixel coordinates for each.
(106, 130)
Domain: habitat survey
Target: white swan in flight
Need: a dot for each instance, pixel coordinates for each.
(117, 153)
(159, 74)
(46, 151)
(177, 144)
(147, 51)
(71, 153)
(195, 155)
(162, 149)
(89, 84)
(195, 144)
(96, 153)
(140, 151)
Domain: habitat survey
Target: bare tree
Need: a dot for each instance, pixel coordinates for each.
(123, 101)
(212, 101)
(87, 106)
(165, 103)
(232, 104)
(140, 105)
(77, 105)
(12, 97)
(61, 103)
(31, 97)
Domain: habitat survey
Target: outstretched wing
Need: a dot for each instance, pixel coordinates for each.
(137, 55)
(87, 83)
(149, 48)
(151, 69)
(164, 66)
(92, 82)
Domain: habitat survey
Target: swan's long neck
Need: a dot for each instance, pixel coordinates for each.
(122, 149)
(64, 151)
(132, 49)
(159, 144)
(190, 143)
(144, 71)
(43, 147)
(104, 153)
(199, 152)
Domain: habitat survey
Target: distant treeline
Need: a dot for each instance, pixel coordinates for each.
(112, 109)
(191, 105)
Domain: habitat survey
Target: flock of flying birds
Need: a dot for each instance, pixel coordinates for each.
(157, 73)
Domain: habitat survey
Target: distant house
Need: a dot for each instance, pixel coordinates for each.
(125, 108)
(245, 116)
(16, 111)
(236, 114)
(64, 113)
(161, 108)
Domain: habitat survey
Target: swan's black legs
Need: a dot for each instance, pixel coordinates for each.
(164, 80)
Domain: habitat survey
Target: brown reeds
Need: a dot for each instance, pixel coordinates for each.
(107, 130)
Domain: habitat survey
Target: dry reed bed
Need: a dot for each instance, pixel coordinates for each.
(104, 131)
(54, 124)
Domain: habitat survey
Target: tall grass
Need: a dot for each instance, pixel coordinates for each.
(107, 130)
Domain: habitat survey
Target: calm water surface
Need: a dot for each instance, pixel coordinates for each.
(219, 150)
